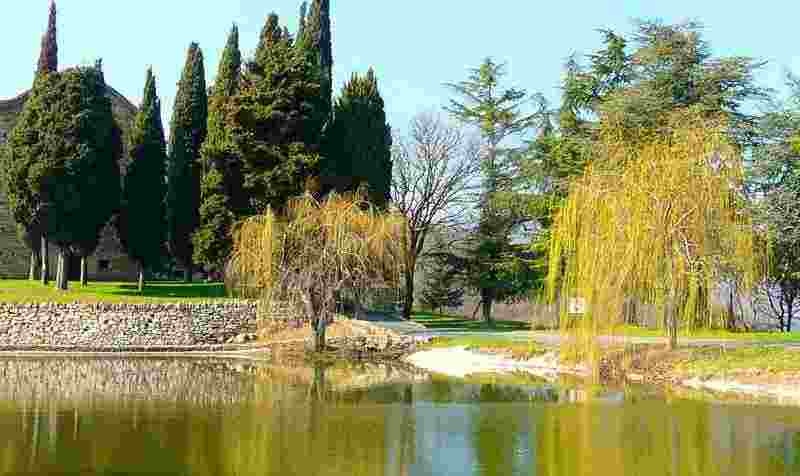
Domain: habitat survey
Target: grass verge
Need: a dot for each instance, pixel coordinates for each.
(752, 360)
(777, 337)
(517, 350)
(23, 291)
(460, 323)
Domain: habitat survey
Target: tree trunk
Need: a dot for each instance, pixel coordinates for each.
(35, 265)
(44, 275)
(58, 269)
(486, 306)
(187, 274)
(790, 309)
(319, 334)
(671, 317)
(141, 277)
(731, 322)
(84, 272)
(408, 301)
(63, 270)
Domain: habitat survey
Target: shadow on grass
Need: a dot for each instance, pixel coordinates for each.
(459, 323)
(172, 290)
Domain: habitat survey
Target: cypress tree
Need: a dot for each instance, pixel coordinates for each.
(64, 173)
(277, 120)
(318, 42)
(48, 55)
(23, 151)
(359, 142)
(141, 222)
(301, 29)
(222, 197)
(271, 34)
(187, 134)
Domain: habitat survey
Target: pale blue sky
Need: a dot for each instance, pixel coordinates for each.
(414, 45)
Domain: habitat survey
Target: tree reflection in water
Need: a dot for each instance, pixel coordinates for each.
(209, 417)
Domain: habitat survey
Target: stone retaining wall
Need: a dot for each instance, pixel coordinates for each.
(115, 326)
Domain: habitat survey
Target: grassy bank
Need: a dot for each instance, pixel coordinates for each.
(716, 334)
(751, 361)
(435, 321)
(517, 350)
(23, 291)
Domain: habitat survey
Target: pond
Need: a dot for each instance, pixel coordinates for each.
(238, 417)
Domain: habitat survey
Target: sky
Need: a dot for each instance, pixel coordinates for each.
(415, 46)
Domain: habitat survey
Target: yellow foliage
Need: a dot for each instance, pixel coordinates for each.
(656, 218)
(302, 259)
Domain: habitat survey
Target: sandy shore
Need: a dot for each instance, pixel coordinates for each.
(460, 362)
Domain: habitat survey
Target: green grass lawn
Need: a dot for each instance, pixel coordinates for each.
(716, 362)
(521, 350)
(443, 321)
(23, 291)
(716, 334)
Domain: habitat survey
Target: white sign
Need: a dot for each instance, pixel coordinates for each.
(576, 306)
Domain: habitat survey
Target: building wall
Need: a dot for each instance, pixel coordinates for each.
(15, 256)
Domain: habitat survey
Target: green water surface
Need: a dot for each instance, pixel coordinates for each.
(217, 417)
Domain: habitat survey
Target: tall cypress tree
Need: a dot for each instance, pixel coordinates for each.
(48, 55)
(271, 34)
(64, 155)
(318, 42)
(222, 198)
(301, 28)
(277, 120)
(187, 134)
(359, 142)
(24, 151)
(141, 222)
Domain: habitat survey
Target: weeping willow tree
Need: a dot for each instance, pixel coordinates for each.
(656, 218)
(299, 261)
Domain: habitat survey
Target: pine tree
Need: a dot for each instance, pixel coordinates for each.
(317, 41)
(497, 114)
(141, 222)
(187, 134)
(359, 143)
(48, 56)
(222, 198)
(277, 121)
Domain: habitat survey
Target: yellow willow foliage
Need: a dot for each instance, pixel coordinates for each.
(302, 258)
(655, 220)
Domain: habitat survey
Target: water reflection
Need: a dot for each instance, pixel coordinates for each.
(216, 417)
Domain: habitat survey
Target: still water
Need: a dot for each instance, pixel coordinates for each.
(217, 417)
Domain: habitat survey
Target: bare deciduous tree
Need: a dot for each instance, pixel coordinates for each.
(436, 168)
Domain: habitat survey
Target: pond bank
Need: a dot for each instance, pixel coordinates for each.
(694, 369)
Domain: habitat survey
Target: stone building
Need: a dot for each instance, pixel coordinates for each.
(109, 262)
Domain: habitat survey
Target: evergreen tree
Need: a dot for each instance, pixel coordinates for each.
(141, 222)
(48, 56)
(442, 289)
(21, 153)
(276, 122)
(301, 29)
(317, 41)
(63, 170)
(496, 112)
(187, 134)
(222, 197)
(359, 143)
(271, 34)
